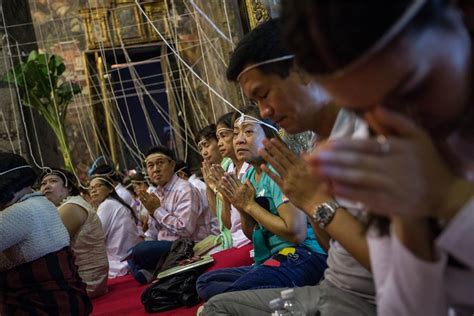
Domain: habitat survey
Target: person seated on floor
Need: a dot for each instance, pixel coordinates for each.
(84, 227)
(119, 223)
(37, 271)
(181, 170)
(176, 207)
(110, 173)
(408, 70)
(348, 287)
(139, 184)
(286, 251)
(231, 234)
(207, 144)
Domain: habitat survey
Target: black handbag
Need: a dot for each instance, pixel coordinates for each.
(175, 290)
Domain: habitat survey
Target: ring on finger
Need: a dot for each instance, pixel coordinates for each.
(384, 144)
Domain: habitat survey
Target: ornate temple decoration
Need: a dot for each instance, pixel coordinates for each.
(157, 11)
(127, 22)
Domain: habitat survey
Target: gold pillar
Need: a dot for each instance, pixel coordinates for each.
(107, 112)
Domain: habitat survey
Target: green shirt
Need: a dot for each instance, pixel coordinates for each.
(269, 196)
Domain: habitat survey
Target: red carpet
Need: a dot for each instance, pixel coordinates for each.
(124, 296)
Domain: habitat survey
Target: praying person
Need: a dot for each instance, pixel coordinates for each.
(406, 66)
(286, 251)
(283, 93)
(207, 144)
(176, 207)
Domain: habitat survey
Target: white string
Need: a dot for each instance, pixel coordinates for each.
(13, 102)
(18, 94)
(7, 131)
(16, 168)
(183, 61)
(205, 67)
(214, 26)
(32, 118)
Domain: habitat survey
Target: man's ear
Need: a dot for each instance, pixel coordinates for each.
(301, 74)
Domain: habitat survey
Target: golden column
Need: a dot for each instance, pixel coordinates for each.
(107, 112)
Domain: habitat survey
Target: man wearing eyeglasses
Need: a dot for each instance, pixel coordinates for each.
(174, 208)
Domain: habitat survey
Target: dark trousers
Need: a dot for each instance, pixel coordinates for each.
(306, 268)
(146, 254)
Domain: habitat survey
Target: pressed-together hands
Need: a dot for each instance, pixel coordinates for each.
(150, 201)
(241, 195)
(400, 175)
(291, 174)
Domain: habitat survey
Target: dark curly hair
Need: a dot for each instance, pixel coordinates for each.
(16, 180)
(260, 44)
(328, 35)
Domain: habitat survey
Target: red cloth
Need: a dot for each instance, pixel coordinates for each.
(124, 296)
(233, 257)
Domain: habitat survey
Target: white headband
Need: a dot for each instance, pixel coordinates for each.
(268, 61)
(105, 180)
(48, 171)
(250, 119)
(157, 155)
(224, 129)
(16, 168)
(406, 18)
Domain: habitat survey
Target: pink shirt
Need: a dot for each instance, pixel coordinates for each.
(181, 213)
(407, 285)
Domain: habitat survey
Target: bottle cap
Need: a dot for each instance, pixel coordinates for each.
(287, 294)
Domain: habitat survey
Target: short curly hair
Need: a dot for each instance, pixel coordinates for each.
(262, 43)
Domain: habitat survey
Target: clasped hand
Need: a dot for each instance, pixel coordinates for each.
(242, 196)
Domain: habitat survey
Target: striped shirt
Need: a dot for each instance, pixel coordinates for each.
(181, 213)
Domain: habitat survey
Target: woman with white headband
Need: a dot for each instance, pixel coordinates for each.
(286, 251)
(84, 227)
(119, 223)
(407, 66)
(37, 271)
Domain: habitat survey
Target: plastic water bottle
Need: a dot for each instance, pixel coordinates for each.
(276, 305)
(291, 306)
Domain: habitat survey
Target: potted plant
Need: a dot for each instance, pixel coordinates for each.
(43, 90)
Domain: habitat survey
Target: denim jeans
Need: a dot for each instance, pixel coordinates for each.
(146, 254)
(304, 268)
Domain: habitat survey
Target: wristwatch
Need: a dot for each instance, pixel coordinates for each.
(324, 213)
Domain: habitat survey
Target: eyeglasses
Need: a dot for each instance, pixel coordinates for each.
(95, 187)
